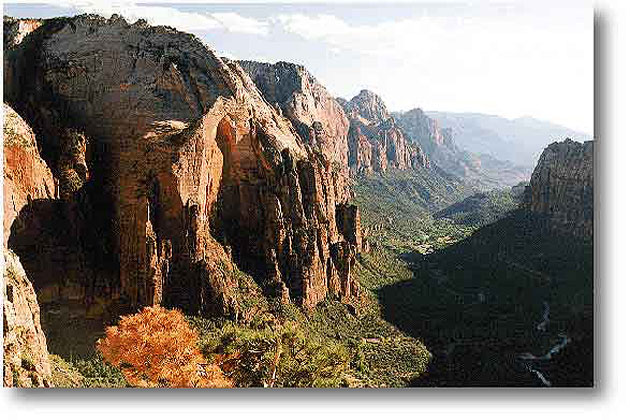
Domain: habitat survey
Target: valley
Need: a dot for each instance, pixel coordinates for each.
(291, 238)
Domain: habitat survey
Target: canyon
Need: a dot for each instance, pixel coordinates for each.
(141, 168)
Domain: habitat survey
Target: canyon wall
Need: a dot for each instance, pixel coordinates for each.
(315, 114)
(375, 141)
(27, 179)
(562, 187)
(25, 360)
(175, 167)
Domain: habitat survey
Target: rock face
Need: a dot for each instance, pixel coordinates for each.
(182, 165)
(316, 116)
(15, 30)
(26, 175)
(375, 141)
(27, 179)
(441, 149)
(562, 187)
(26, 361)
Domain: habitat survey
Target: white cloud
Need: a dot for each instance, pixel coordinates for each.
(234, 22)
(413, 37)
(508, 64)
(171, 16)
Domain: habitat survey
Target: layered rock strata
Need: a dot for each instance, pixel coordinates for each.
(184, 164)
(375, 141)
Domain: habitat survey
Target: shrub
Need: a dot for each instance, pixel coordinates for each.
(64, 375)
(157, 348)
(277, 356)
(97, 373)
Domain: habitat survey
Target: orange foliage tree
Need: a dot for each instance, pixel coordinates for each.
(157, 348)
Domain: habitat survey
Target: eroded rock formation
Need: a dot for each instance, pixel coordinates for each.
(26, 361)
(316, 116)
(562, 187)
(27, 179)
(375, 141)
(26, 175)
(179, 164)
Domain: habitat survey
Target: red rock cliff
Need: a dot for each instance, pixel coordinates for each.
(186, 158)
(375, 141)
(26, 179)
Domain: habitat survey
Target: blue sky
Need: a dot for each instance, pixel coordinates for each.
(505, 58)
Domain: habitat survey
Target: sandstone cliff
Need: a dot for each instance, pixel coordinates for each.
(26, 175)
(27, 179)
(316, 116)
(562, 187)
(177, 165)
(375, 141)
(26, 361)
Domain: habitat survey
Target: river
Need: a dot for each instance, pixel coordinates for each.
(532, 362)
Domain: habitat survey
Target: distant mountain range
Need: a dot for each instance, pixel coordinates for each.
(519, 140)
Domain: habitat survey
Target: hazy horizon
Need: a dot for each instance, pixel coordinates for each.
(503, 59)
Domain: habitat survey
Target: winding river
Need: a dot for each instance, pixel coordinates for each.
(530, 361)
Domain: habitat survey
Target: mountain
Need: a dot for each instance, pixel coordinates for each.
(310, 241)
(482, 208)
(375, 141)
(481, 170)
(517, 140)
(562, 187)
(316, 116)
(174, 173)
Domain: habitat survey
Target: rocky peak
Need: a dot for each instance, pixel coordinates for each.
(424, 130)
(562, 187)
(440, 147)
(183, 165)
(375, 141)
(368, 106)
(315, 115)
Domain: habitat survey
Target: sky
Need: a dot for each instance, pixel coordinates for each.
(506, 58)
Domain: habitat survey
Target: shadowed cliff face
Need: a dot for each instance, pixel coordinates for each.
(174, 154)
(562, 187)
(375, 141)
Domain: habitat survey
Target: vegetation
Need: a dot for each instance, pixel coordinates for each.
(157, 348)
(481, 209)
(476, 295)
(274, 355)
(396, 207)
(470, 280)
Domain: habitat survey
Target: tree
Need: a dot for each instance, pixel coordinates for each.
(277, 356)
(157, 348)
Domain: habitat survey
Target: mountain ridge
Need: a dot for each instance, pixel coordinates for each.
(518, 140)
